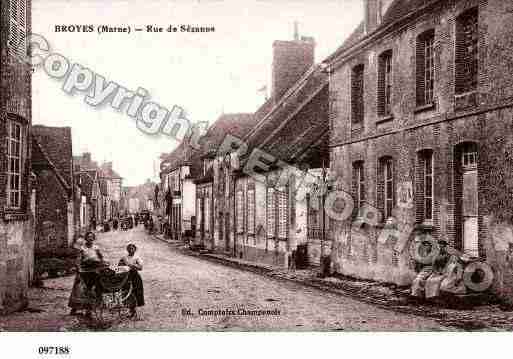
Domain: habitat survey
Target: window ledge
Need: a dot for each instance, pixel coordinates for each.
(427, 107)
(426, 226)
(356, 126)
(13, 215)
(383, 119)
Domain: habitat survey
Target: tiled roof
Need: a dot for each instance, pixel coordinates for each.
(395, 12)
(296, 121)
(40, 160)
(235, 124)
(56, 145)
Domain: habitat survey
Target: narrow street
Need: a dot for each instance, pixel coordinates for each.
(176, 282)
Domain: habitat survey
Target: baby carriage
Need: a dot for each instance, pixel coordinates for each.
(113, 292)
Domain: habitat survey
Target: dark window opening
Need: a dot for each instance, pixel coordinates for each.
(357, 104)
(385, 84)
(467, 40)
(425, 68)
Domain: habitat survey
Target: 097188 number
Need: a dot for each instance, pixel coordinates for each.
(57, 350)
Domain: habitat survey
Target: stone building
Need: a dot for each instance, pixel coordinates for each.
(16, 200)
(260, 209)
(113, 182)
(179, 192)
(421, 130)
(52, 162)
(208, 199)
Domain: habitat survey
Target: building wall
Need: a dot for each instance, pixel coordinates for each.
(16, 229)
(188, 203)
(16, 264)
(52, 214)
(441, 129)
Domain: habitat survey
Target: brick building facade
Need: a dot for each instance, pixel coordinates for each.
(421, 129)
(16, 222)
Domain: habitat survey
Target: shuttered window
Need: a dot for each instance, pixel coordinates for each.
(385, 84)
(283, 214)
(17, 27)
(199, 211)
(207, 214)
(251, 211)
(271, 213)
(424, 189)
(425, 68)
(467, 39)
(240, 212)
(359, 184)
(386, 186)
(357, 104)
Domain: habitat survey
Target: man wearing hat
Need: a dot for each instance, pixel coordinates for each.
(428, 279)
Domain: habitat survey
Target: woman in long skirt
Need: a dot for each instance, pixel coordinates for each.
(85, 279)
(135, 263)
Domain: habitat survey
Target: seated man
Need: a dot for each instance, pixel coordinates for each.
(429, 278)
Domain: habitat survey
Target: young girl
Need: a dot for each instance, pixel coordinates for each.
(135, 263)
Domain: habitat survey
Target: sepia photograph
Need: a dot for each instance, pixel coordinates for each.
(255, 166)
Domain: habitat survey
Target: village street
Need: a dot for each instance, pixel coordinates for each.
(175, 282)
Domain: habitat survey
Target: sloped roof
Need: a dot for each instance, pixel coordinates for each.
(235, 124)
(296, 121)
(397, 10)
(40, 160)
(55, 144)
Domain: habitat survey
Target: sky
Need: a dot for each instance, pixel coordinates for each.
(207, 74)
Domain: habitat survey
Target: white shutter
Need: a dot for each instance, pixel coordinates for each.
(270, 213)
(282, 214)
(198, 206)
(207, 214)
(240, 213)
(251, 211)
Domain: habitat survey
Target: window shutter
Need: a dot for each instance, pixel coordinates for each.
(270, 213)
(251, 212)
(466, 51)
(282, 214)
(381, 187)
(357, 104)
(420, 69)
(17, 27)
(381, 86)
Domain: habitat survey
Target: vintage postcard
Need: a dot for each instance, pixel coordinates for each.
(291, 166)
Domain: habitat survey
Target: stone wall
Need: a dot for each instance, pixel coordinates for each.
(441, 129)
(16, 264)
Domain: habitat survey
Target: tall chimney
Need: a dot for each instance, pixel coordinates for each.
(291, 59)
(371, 11)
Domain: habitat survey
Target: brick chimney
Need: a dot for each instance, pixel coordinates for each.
(371, 11)
(374, 11)
(291, 59)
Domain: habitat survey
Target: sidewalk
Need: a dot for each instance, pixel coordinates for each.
(468, 313)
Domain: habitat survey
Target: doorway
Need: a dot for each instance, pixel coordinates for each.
(468, 205)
